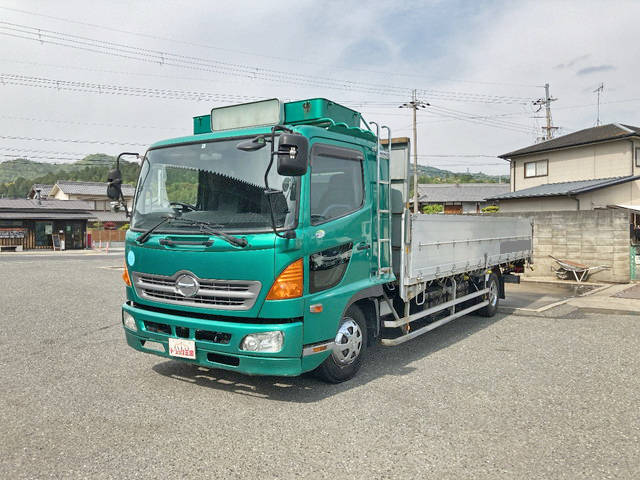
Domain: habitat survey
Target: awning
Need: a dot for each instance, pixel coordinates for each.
(109, 216)
(633, 208)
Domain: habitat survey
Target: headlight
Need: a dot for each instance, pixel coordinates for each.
(128, 321)
(263, 342)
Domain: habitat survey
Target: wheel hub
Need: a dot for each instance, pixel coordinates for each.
(348, 342)
(493, 294)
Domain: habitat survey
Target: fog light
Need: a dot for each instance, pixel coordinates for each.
(263, 342)
(128, 321)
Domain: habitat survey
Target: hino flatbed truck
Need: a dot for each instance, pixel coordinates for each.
(278, 239)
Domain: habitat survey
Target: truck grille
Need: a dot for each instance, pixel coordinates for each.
(219, 294)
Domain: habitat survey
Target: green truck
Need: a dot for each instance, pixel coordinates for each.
(277, 239)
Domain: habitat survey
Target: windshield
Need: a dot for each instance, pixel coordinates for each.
(213, 182)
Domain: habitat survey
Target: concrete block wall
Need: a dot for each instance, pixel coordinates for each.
(591, 237)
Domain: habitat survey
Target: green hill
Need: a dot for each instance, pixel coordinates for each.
(12, 169)
(17, 176)
(428, 174)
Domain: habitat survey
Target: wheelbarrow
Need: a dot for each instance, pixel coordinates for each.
(580, 272)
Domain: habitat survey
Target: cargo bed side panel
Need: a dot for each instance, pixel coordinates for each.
(444, 245)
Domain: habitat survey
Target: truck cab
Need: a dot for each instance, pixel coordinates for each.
(244, 268)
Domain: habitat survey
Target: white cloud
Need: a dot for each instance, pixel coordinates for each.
(489, 51)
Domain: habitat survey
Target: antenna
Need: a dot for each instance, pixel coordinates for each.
(598, 91)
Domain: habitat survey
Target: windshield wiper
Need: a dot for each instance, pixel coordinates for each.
(145, 236)
(207, 227)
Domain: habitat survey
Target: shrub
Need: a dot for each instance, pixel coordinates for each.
(491, 209)
(431, 209)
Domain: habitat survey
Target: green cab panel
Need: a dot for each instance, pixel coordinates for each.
(220, 261)
(317, 109)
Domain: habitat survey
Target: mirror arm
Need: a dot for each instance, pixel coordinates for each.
(289, 234)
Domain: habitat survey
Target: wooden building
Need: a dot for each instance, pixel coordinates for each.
(27, 224)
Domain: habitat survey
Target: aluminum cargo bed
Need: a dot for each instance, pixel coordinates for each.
(438, 246)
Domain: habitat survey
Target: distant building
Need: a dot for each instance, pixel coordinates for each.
(95, 192)
(39, 187)
(593, 168)
(32, 223)
(457, 198)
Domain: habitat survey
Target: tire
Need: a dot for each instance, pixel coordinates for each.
(494, 289)
(343, 364)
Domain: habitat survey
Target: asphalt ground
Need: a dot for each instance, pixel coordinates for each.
(515, 397)
(535, 295)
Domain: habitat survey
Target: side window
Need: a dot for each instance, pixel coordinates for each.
(337, 186)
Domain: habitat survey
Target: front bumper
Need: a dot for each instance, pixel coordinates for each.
(158, 327)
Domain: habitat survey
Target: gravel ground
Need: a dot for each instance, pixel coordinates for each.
(552, 396)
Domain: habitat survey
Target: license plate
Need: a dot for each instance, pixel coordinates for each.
(180, 347)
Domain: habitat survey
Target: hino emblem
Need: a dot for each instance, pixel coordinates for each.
(187, 285)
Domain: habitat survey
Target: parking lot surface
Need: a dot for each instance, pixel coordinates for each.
(535, 295)
(554, 396)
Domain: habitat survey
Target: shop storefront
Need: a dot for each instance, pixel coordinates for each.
(32, 225)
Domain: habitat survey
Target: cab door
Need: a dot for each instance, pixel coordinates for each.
(339, 236)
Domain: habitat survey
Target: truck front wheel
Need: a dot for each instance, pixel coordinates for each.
(493, 294)
(349, 348)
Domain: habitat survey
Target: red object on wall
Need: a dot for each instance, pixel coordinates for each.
(109, 225)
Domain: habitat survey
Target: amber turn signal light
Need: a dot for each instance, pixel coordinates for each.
(125, 275)
(289, 283)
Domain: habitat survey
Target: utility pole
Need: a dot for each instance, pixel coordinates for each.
(598, 91)
(415, 104)
(546, 101)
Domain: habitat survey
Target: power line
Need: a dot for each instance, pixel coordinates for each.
(286, 59)
(109, 89)
(456, 155)
(225, 68)
(463, 116)
(89, 124)
(23, 159)
(66, 140)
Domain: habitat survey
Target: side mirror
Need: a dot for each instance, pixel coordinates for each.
(293, 155)
(114, 184)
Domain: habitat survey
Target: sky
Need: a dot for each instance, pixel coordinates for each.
(479, 65)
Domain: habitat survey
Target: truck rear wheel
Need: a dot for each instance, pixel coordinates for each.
(494, 289)
(349, 349)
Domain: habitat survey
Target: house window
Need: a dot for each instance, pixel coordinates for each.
(637, 157)
(536, 169)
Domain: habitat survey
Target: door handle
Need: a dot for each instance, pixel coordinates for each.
(363, 246)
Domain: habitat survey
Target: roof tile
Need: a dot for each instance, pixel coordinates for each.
(91, 188)
(459, 192)
(565, 188)
(611, 131)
